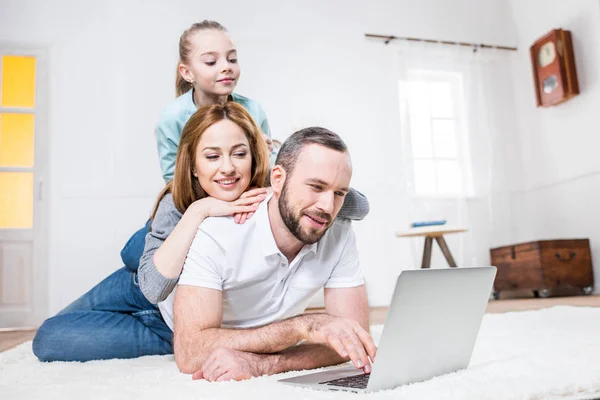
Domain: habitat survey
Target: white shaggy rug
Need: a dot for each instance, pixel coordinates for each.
(547, 354)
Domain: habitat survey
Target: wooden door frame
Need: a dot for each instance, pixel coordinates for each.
(39, 268)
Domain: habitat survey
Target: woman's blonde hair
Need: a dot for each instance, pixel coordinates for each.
(185, 49)
(185, 186)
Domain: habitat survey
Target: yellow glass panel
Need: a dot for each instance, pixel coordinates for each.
(16, 140)
(18, 81)
(16, 200)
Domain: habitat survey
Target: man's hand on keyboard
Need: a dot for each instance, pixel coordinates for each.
(345, 336)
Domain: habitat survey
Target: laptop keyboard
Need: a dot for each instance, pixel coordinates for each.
(356, 381)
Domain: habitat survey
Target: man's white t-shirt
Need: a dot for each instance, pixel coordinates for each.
(259, 286)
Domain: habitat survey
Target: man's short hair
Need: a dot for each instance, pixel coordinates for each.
(291, 148)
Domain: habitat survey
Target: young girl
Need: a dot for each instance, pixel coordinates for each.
(207, 73)
(221, 155)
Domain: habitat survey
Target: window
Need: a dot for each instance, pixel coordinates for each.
(437, 136)
(17, 123)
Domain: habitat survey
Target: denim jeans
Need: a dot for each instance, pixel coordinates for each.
(112, 320)
(134, 248)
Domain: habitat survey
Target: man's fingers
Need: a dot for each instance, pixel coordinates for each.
(351, 350)
(209, 368)
(219, 373)
(211, 358)
(216, 373)
(198, 375)
(337, 345)
(363, 359)
(356, 351)
(227, 376)
(367, 342)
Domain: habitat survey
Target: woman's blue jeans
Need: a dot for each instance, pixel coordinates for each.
(112, 320)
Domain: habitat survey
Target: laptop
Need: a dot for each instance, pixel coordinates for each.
(430, 330)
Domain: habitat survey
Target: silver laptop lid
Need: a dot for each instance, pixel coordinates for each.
(432, 324)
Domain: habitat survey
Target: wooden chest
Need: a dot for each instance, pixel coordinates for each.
(544, 266)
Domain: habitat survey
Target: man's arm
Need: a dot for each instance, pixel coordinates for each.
(226, 364)
(198, 314)
(348, 304)
(345, 305)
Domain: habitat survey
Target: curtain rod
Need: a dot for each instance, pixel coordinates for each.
(388, 38)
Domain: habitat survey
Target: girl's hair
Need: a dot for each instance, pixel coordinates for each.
(185, 48)
(185, 186)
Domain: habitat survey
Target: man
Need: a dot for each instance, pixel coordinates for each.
(236, 312)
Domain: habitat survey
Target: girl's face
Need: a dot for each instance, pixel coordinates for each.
(212, 64)
(223, 161)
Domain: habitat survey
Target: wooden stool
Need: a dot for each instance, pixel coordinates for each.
(433, 232)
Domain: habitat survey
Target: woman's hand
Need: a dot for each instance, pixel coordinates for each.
(258, 196)
(242, 208)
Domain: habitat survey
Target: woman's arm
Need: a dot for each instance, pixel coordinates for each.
(355, 207)
(169, 240)
(155, 285)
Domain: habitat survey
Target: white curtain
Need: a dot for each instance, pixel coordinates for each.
(472, 93)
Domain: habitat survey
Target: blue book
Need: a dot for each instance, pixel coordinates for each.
(427, 223)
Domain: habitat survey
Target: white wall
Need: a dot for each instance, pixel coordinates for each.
(558, 192)
(112, 71)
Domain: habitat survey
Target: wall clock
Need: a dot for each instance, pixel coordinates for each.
(554, 73)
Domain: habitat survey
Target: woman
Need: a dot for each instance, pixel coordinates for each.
(220, 156)
(207, 74)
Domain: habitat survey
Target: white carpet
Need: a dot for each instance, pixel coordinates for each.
(547, 354)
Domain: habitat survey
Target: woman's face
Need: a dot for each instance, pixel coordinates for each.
(224, 161)
(212, 64)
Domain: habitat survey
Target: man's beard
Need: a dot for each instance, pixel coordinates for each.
(292, 221)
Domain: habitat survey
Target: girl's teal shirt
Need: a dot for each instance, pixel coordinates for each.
(175, 116)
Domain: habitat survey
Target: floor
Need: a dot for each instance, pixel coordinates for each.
(12, 338)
